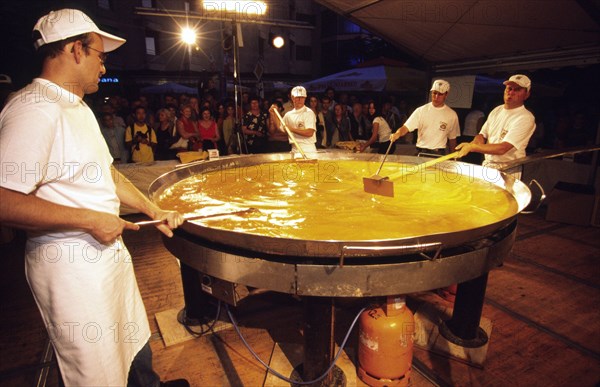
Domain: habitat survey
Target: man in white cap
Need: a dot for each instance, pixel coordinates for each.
(508, 128)
(58, 183)
(437, 122)
(301, 121)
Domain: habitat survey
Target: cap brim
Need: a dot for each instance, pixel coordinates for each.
(111, 42)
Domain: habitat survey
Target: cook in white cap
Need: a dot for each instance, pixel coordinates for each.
(437, 123)
(301, 121)
(508, 128)
(61, 187)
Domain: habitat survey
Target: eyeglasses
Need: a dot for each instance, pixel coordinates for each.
(102, 55)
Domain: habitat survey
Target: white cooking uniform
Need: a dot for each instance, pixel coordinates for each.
(514, 126)
(436, 125)
(302, 118)
(51, 147)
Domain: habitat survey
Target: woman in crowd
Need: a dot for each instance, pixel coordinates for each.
(165, 135)
(313, 104)
(340, 124)
(187, 128)
(207, 126)
(380, 131)
(228, 126)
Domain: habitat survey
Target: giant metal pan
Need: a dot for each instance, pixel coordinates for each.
(267, 245)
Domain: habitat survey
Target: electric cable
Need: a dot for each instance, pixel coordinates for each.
(210, 327)
(279, 375)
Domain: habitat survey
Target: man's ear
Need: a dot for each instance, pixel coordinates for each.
(77, 50)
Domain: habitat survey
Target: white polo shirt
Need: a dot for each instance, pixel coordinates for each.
(302, 118)
(515, 126)
(435, 125)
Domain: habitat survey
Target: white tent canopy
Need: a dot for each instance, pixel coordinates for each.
(471, 35)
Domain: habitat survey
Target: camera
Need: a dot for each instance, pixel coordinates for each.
(139, 137)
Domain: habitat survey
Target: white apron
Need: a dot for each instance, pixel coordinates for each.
(98, 321)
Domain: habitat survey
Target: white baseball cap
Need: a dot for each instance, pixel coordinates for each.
(521, 80)
(298, 91)
(440, 86)
(66, 23)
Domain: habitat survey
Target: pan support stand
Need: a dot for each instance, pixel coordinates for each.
(463, 327)
(318, 327)
(199, 308)
(319, 342)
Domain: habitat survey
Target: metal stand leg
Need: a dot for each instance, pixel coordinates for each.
(198, 308)
(463, 328)
(319, 341)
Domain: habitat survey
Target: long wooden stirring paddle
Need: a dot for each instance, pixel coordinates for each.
(196, 217)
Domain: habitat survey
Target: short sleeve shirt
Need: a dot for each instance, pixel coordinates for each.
(514, 126)
(435, 125)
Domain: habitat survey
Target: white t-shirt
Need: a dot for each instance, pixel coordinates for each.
(303, 118)
(436, 125)
(514, 126)
(51, 147)
(384, 130)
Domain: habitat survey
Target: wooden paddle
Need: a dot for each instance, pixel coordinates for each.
(385, 187)
(196, 217)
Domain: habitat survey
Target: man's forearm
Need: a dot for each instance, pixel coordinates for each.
(29, 212)
(303, 132)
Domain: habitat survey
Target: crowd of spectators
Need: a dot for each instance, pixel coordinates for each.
(175, 123)
(147, 128)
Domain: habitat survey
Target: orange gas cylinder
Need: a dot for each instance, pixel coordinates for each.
(385, 344)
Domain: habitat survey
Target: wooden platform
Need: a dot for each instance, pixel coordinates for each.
(543, 304)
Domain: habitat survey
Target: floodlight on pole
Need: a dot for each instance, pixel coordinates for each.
(188, 36)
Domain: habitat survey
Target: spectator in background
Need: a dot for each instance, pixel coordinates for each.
(229, 137)
(207, 127)
(108, 108)
(330, 92)
(187, 128)
(255, 127)
(437, 123)
(380, 134)
(194, 104)
(140, 139)
(358, 123)
(389, 114)
(114, 134)
(313, 104)
(340, 125)
(166, 135)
